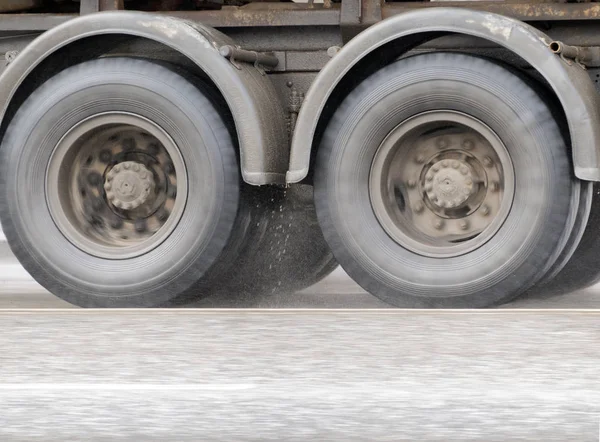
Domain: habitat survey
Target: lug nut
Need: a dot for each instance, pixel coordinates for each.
(94, 179)
(429, 176)
(487, 162)
(442, 143)
(418, 207)
(464, 170)
(117, 168)
(153, 148)
(445, 163)
(435, 168)
(455, 164)
(494, 186)
(116, 222)
(438, 224)
(126, 165)
(420, 159)
(429, 187)
(110, 196)
(135, 167)
(467, 144)
(411, 183)
(485, 210)
(97, 204)
(162, 214)
(105, 156)
(464, 224)
(172, 193)
(128, 144)
(140, 225)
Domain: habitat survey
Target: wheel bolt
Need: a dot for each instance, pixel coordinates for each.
(117, 168)
(94, 179)
(429, 187)
(435, 168)
(418, 207)
(438, 224)
(464, 170)
(494, 186)
(420, 159)
(442, 143)
(135, 167)
(116, 222)
(110, 196)
(105, 156)
(455, 164)
(445, 163)
(162, 214)
(153, 148)
(140, 225)
(485, 210)
(464, 224)
(467, 144)
(126, 165)
(487, 162)
(128, 144)
(411, 183)
(429, 176)
(97, 204)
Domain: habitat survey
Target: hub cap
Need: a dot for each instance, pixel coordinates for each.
(116, 185)
(441, 183)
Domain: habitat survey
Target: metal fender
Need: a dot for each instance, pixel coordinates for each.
(255, 107)
(398, 34)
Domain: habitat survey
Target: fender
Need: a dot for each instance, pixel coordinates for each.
(398, 34)
(252, 100)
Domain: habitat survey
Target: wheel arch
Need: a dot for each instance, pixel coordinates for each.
(251, 98)
(384, 42)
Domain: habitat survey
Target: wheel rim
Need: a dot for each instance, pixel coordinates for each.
(116, 185)
(441, 184)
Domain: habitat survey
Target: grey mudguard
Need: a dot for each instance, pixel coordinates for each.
(569, 80)
(256, 110)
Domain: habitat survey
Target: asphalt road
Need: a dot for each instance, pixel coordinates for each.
(304, 375)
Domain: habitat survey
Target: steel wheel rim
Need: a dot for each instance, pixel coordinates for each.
(441, 184)
(123, 227)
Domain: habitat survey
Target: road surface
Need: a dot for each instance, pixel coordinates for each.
(354, 375)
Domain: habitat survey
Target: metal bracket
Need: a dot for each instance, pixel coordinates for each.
(235, 53)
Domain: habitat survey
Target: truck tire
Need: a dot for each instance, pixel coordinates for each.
(583, 269)
(443, 180)
(120, 184)
(277, 249)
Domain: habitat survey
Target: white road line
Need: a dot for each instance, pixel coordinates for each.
(123, 387)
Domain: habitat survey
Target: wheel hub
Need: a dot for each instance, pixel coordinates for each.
(449, 183)
(441, 183)
(128, 185)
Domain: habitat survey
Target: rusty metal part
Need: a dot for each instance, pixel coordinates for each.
(18, 5)
(91, 6)
(234, 54)
(587, 56)
(530, 11)
(353, 16)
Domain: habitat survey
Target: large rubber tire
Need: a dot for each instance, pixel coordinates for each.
(277, 248)
(190, 119)
(583, 269)
(528, 242)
